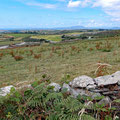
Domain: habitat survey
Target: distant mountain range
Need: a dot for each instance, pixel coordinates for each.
(59, 28)
(71, 28)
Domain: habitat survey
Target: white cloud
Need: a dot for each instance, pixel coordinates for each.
(111, 7)
(72, 4)
(115, 19)
(93, 23)
(86, 3)
(38, 4)
(107, 3)
(81, 3)
(42, 5)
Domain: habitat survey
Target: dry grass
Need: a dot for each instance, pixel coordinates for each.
(57, 61)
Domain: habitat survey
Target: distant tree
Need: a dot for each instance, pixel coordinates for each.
(11, 39)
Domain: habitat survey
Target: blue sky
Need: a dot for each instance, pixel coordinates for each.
(59, 13)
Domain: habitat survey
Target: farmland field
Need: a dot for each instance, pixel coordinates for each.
(18, 37)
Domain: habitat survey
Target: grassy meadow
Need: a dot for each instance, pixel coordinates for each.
(57, 61)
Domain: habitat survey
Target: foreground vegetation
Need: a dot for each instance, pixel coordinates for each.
(46, 104)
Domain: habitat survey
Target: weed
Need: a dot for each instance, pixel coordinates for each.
(1, 54)
(102, 69)
(107, 47)
(12, 53)
(90, 49)
(62, 53)
(73, 47)
(37, 56)
(58, 47)
(51, 55)
(31, 52)
(18, 58)
(53, 49)
(98, 46)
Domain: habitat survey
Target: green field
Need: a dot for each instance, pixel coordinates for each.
(48, 37)
(58, 60)
(17, 35)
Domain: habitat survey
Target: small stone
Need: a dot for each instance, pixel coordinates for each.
(110, 93)
(82, 82)
(76, 92)
(5, 90)
(67, 87)
(56, 86)
(90, 87)
(105, 101)
(100, 90)
(113, 97)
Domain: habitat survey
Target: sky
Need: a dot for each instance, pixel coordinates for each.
(59, 13)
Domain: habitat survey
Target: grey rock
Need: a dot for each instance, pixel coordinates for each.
(110, 93)
(113, 97)
(67, 87)
(5, 90)
(119, 83)
(76, 92)
(82, 82)
(25, 86)
(56, 86)
(105, 101)
(96, 95)
(100, 90)
(4, 47)
(106, 80)
(90, 87)
(116, 75)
